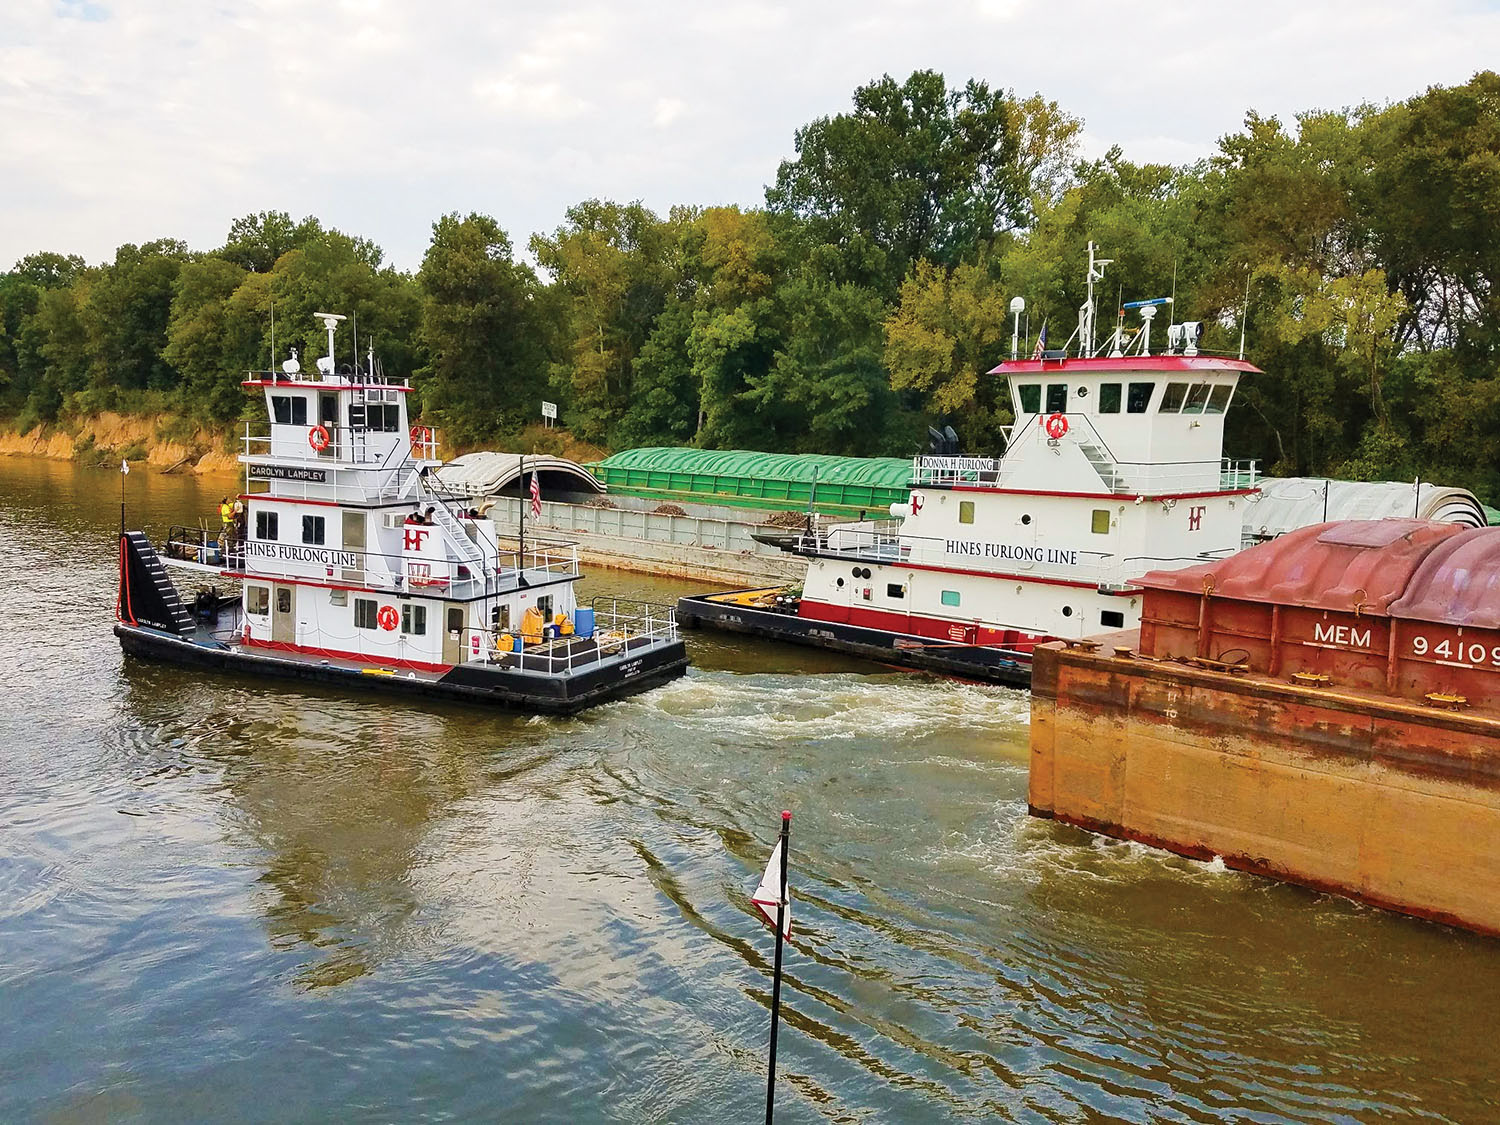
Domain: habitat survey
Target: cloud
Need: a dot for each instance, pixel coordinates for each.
(169, 120)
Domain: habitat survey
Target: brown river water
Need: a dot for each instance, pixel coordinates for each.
(222, 898)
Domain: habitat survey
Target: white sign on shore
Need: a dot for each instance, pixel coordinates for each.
(549, 410)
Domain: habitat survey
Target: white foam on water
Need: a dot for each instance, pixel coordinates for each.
(840, 706)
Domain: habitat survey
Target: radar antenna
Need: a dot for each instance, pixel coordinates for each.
(1086, 314)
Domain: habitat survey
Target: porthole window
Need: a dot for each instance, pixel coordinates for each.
(839, 583)
(1067, 611)
(1083, 392)
(1025, 520)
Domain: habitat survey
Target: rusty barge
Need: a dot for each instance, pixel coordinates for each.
(1322, 709)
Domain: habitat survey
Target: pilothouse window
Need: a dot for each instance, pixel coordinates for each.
(1109, 398)
(383, 418)
(1218, 401)
(1196, 400)
(1031, 398)
(1057, 398)
(289, 410)
(1171, 401)
(1140, 398)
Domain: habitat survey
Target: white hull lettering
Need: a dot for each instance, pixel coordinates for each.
(1341, 635)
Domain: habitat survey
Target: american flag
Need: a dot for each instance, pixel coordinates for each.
(536, 497)
(1041, 342)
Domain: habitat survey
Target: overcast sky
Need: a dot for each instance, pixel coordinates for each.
(123, 122)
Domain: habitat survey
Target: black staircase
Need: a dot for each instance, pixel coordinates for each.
(147, 596)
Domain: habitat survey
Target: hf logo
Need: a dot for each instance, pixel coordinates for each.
(1195, 517)
(414, 538)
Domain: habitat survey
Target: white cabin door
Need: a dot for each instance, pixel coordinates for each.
(354, 540)
(284, 614)
(453, 633)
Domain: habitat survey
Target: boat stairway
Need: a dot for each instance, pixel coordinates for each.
(153, 597)
(1104, 465)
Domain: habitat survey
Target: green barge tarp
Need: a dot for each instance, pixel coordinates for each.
(780, 478)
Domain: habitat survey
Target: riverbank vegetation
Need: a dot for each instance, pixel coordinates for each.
(865, 300)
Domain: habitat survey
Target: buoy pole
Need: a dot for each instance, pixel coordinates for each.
(786, 831)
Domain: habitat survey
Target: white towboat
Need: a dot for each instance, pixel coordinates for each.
(1113, 467)
(353, 568)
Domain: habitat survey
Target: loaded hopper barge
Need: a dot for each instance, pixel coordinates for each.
(1323, 709)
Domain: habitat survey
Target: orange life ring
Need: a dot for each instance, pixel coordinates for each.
(387, 617)
(1057, 425)
(420, 435)
(317, 437)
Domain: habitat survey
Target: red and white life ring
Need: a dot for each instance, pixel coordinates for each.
(387, 617)
(317, 437)
(1057, 425)
(421, 435)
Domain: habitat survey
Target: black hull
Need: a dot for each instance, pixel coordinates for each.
(494, 687)
(989, 665)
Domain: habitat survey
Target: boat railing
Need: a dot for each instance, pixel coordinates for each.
(347, 445)
(1237, 474)
(550, 558)
(622, 627)
(347, 377)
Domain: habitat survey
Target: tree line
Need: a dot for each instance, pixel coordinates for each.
(1356, 251)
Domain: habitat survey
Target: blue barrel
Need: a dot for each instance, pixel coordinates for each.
(583, 622)
(517, 644)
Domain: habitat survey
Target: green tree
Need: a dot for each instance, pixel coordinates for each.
(485, 330)
(919, 171)
(615, 267)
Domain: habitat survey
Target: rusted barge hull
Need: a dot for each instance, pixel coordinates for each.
(1323, 709)
(1387, 802)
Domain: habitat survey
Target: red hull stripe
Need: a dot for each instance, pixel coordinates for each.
(267, 497)
(338, 654)
(926, 628)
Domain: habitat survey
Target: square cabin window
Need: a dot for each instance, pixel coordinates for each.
(1171, 401)
(265, 525)
(950, 597)
(1057, 398)
(895, 590)
(414, 619)
(1111, 619)
(364, 613)
(1099, 524)
(1031, 398)
(313, 529)
(1218, 400)
(1139, 399)
(1109, 398)
(258, 600)
(966, 511)
(1197, 399)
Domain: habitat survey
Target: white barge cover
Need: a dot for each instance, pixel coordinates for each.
(1287, 503)
(488, 474)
